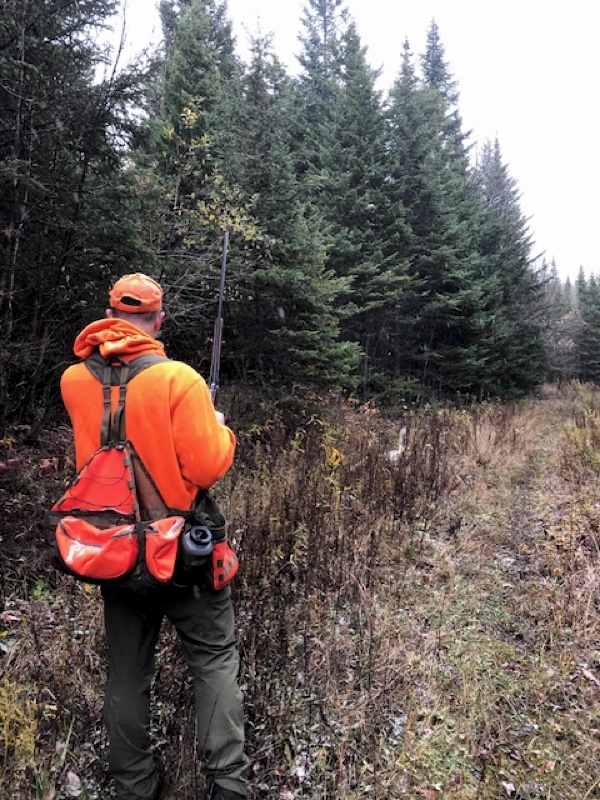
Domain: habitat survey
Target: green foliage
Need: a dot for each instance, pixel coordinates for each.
(185, 198)
(323, 23)
(287, 331)
(518, 321)
(588, 339)
(446, 304)
(64, 208)
(201, 62)
(563, 325)
(395, 394)
(364, 228)
(280, 328)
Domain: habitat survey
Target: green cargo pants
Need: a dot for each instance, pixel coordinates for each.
(204, 621)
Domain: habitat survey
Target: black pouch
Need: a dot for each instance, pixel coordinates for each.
(206, 515)
(206, 512)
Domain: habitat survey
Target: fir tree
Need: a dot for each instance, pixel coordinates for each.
(434, 68)
(506, 244)
(589, 336)
(289, 332)
(324, 23)
(186, 201)
(562, 325)
(64, 210)
(446, 310)
(365, 228)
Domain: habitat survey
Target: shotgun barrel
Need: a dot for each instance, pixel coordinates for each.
(215, 359)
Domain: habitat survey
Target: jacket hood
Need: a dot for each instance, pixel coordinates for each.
(115, 337)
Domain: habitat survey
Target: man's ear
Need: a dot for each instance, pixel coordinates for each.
(158, 321)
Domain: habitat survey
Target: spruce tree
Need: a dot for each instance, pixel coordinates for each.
(505, 242)
(447, 302)
(216, 176)
(64, 211)
(288, 331)
(364, 227)
(323, 25)
(186, 201)
(201, 83)
(589, 336)
(562, 325)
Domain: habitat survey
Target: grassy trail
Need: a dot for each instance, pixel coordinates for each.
(499, 620)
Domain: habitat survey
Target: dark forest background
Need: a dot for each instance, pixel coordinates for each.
(374, 247)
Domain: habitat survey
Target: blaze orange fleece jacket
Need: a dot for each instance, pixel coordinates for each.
(170, 418)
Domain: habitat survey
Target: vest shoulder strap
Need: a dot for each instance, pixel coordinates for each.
(97, 365)
(117, 372)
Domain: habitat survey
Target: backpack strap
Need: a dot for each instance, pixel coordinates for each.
(117, 372)
(96, 364)
(105, 428)
(117, 424)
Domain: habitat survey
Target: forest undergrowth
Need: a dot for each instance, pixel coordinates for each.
(428, 628)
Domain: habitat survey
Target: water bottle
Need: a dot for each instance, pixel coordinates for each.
(196, 546)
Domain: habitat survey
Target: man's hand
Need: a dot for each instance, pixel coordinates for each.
(220, 417)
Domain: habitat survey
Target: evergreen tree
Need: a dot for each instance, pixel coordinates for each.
(434, 67)
(589, 337)
(324, 23)
(437, 75)
(65, 214)
(201, 82)
(200, 54)
(186, 201)
(365, 228)
(506, 244)
(288, 330)
(447, 303)
(280, 322)
(562, 325)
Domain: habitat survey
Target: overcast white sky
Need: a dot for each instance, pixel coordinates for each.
(527, 72)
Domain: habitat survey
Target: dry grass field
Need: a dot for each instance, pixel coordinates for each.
(427, 629)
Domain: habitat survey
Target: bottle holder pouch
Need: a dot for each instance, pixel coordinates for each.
(222, 565)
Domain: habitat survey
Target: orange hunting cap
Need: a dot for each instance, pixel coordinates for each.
(136, 294)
